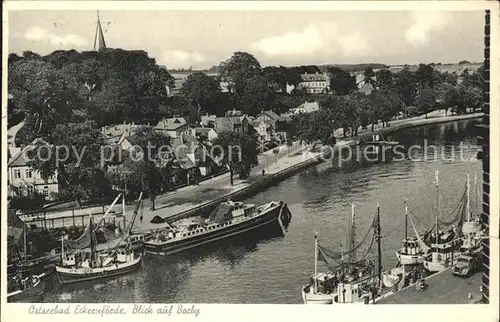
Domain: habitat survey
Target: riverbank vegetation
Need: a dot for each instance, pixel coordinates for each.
(66, 97)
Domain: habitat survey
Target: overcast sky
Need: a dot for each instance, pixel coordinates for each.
(180, 39)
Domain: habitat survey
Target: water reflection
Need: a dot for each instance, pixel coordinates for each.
(269, 266)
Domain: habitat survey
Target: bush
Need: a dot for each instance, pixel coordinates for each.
(32, 202)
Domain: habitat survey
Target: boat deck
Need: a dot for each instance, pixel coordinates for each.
(443, 288)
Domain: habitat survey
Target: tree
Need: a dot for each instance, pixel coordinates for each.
(385, 78)
(75, 156)
(202, 91)
(237, 69)
(277, 77)
(293, 77)
(474, 80)
(425, 76)
(468, 97)
(315, 126)
(387, 105)
(406, 86)
(238, 151)
(369, 73)
(425, 100)
(257, 96)
(341, 82)
(43, 93)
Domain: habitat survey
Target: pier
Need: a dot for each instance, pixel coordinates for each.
(444, 288)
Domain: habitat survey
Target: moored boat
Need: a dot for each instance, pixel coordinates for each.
(83, 263)
(25, 290)
(378, 149)
(356, 281)
(446, 244)
(414, 249)
(471, 227)
(228, 219)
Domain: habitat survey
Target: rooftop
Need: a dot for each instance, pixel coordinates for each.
(171, 124)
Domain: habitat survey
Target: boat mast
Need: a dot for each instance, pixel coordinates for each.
(468, 197)
(379, 246)
(353, 235)
(92, 241)
(437, 203)
(406, 220)
(25, 243)
(123, 206)
(315, 261)
(475, 193)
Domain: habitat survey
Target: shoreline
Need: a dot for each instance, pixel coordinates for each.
(273, 178)
(245, 188)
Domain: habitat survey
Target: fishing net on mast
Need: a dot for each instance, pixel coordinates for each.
(326, 254)
(457, 215)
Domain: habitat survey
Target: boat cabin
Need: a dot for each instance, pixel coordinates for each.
(411, 247)
(125, 255)
(69, 260)
(443, 253)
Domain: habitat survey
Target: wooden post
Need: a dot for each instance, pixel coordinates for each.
(63, 221)
(83, 220)
(73, 215)
(53, 223)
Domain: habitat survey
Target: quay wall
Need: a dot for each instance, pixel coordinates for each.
(79, 217)
(267, 181)
(272, 179)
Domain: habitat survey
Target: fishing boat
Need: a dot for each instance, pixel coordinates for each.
(110, 235)
(471, 228)
(378, 149)
(446, 245)
(25, 290)
(228, 219)
(356, 281)
(414, 249)
(84, 263)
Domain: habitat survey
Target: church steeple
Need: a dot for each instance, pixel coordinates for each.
(99, 43)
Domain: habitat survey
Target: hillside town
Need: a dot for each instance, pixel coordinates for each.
(190, 109)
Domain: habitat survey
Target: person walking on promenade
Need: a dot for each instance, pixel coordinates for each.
(263, 172)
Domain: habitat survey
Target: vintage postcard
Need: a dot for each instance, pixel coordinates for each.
(159, 158)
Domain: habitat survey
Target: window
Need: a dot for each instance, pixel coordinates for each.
(30, 190)
(29, 173)
(46, 191)
(17, 174)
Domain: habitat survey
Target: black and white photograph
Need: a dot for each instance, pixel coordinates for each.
(245, 155)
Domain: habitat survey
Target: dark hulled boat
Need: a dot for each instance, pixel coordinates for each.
(228, 219)
(25, 290)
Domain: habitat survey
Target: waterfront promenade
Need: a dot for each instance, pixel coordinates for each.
(193, 197)
(444, 288)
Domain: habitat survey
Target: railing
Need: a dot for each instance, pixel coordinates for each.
(249, 189)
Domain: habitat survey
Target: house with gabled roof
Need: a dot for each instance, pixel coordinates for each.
(231, 124)
(23, 179)
(204, 133)
(174, 127)
(114, 134)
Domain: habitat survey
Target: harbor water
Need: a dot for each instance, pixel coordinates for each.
(270, 265)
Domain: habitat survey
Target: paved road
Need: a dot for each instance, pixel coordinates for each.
(192, 196)
(444, 288)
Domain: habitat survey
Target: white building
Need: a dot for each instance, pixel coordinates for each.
(315, 83)
(24, 180)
